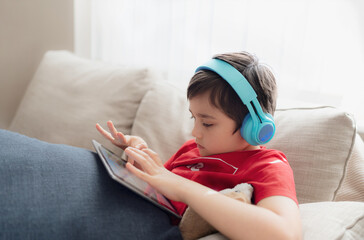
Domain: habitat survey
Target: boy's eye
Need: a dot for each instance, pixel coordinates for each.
(206, 125)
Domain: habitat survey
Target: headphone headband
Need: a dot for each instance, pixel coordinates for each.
(236, 80)
(258, 127)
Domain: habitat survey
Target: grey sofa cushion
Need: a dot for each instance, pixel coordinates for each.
(50, 191)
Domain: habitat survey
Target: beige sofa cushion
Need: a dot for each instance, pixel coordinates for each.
(163, 119)
(326, 221)
(68, 95)
(352, 186)
(318, 143)
(332, 220)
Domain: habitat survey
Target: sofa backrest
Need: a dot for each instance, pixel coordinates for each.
(68, 95)
(320, 143)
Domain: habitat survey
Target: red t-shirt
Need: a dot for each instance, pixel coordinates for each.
(267, 170)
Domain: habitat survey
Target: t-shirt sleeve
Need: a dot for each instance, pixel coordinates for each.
(273, 177)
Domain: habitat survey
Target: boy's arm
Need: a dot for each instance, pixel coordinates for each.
(272, 218)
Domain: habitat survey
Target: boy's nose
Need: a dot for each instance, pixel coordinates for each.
(195, 132)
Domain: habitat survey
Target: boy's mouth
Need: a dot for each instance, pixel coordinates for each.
(199, 146)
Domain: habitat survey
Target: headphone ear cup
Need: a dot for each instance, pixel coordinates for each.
(247, 130)
(266, 129)
(258, 133)
(268, 115)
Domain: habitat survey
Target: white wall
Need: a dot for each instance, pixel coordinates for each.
(28, 28)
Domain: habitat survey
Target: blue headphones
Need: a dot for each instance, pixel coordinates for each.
(258, 127)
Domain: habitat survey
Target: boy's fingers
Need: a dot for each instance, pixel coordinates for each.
(142, 175)
(112, 129)
(141, 146)
(121, 137)
(153, 155)
(141, 158)
(150, 152)
(103, 132)
(130, 160)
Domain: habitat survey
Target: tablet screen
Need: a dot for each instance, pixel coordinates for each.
(120, 173)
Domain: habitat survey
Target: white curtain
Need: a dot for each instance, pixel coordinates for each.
(315, 47)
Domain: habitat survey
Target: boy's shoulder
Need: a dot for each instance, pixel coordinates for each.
(255, 159)
(261, 153)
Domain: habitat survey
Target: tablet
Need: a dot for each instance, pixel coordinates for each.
(115, 166)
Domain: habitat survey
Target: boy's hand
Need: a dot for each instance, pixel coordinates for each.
(153, 172)
(119, 139)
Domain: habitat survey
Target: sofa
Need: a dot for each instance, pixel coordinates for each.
(68, 95)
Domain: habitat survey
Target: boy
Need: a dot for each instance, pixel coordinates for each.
(219, 157)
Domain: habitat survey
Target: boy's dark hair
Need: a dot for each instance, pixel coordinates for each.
(223, 96)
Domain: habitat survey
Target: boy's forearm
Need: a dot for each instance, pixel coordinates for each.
(235, 219)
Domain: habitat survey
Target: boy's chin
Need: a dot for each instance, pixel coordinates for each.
(204, 153)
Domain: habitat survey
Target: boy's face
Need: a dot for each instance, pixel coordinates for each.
(213, 129)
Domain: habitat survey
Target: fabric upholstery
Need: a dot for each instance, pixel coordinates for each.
(333, 220)
(318, 143)
(352, 186)
(54, 191)
(326, 221)
(163, 119)
(68, 95)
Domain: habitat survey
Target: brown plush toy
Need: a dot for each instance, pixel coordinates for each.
(193, 226)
